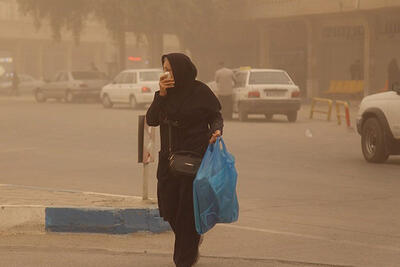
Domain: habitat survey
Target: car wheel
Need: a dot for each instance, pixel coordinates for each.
(106, 101)
(292, 116)
(243, 116)
(268, 117)
(133, 103)
(39, 96)
(373, 141)
(69, 97)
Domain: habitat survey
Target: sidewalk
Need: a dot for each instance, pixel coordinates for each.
(26, 212)
(22, 97)
(27, 209)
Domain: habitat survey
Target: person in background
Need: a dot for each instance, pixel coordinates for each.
(15, 83)
(93, 67)
(393, 73)
(356, 71)
(195, 110)
(225, 80)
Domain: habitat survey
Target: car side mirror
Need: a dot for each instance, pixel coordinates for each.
(396, 88)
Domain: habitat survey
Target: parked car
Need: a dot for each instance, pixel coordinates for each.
(265, 91)
(27, 84)
(5, 85)
(135, 87)
(71, 85)
(378, 123)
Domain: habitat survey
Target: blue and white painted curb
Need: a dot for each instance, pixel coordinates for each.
(81, 220)
(104, 220)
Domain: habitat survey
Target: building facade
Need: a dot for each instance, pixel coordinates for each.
(318, 41)
(34, 51)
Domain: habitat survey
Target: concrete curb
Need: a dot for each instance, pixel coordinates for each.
(80, 220)
(22, 218)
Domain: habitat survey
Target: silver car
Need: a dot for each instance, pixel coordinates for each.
(71, 85)
(26, 85)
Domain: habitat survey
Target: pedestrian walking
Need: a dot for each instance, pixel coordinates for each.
(225, 80)
(194, 111)
(393, 73)
(15, 84)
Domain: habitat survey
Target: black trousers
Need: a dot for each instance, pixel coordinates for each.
(227, 106)
(178, 206)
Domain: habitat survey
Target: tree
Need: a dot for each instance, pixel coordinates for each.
(195, 22)
(70, 15)
(198, 25)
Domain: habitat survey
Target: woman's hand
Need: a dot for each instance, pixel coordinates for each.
(165, 83)
(214, 137)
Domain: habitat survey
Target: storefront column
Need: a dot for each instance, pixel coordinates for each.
(312, 59)
(41, 60)
(156, 43)
(18, 57)
(264, 60)
(370, 36)
(69, 56)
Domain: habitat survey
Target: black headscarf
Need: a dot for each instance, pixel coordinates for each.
(189, 100)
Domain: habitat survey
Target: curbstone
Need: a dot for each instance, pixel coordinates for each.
(156, 223)
(104, 220)
(22, 218)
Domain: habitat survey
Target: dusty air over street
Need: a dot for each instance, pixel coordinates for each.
(107, 109)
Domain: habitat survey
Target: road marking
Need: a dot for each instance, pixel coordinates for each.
(18, 149)
(21, 206)
(111, 195)
(154, 253)
(275, 232)
(70, 191)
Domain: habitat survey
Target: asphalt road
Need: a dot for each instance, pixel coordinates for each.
(303, 197)
(92, 250)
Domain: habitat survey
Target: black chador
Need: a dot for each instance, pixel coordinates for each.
(196, 113)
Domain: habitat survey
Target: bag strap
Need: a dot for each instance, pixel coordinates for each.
(170, 125)
(169, 137)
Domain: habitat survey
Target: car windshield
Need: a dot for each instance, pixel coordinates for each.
(88, 75)
(150, 76)
(269, 77)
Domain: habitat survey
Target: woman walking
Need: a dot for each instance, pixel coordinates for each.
(197, 121)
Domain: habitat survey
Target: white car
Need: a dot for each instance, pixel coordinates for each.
(135, 87)
(70, 85)
(378, 123)
(265, 91)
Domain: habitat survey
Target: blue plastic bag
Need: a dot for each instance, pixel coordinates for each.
(214, 189)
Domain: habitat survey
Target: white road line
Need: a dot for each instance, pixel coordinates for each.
(69, 191)
(111, 195)
(275, 232)
(21, 206)
(18, 149)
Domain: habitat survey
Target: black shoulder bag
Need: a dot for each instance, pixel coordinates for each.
(182, 163)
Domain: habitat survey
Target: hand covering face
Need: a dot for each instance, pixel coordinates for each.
(190, 100)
